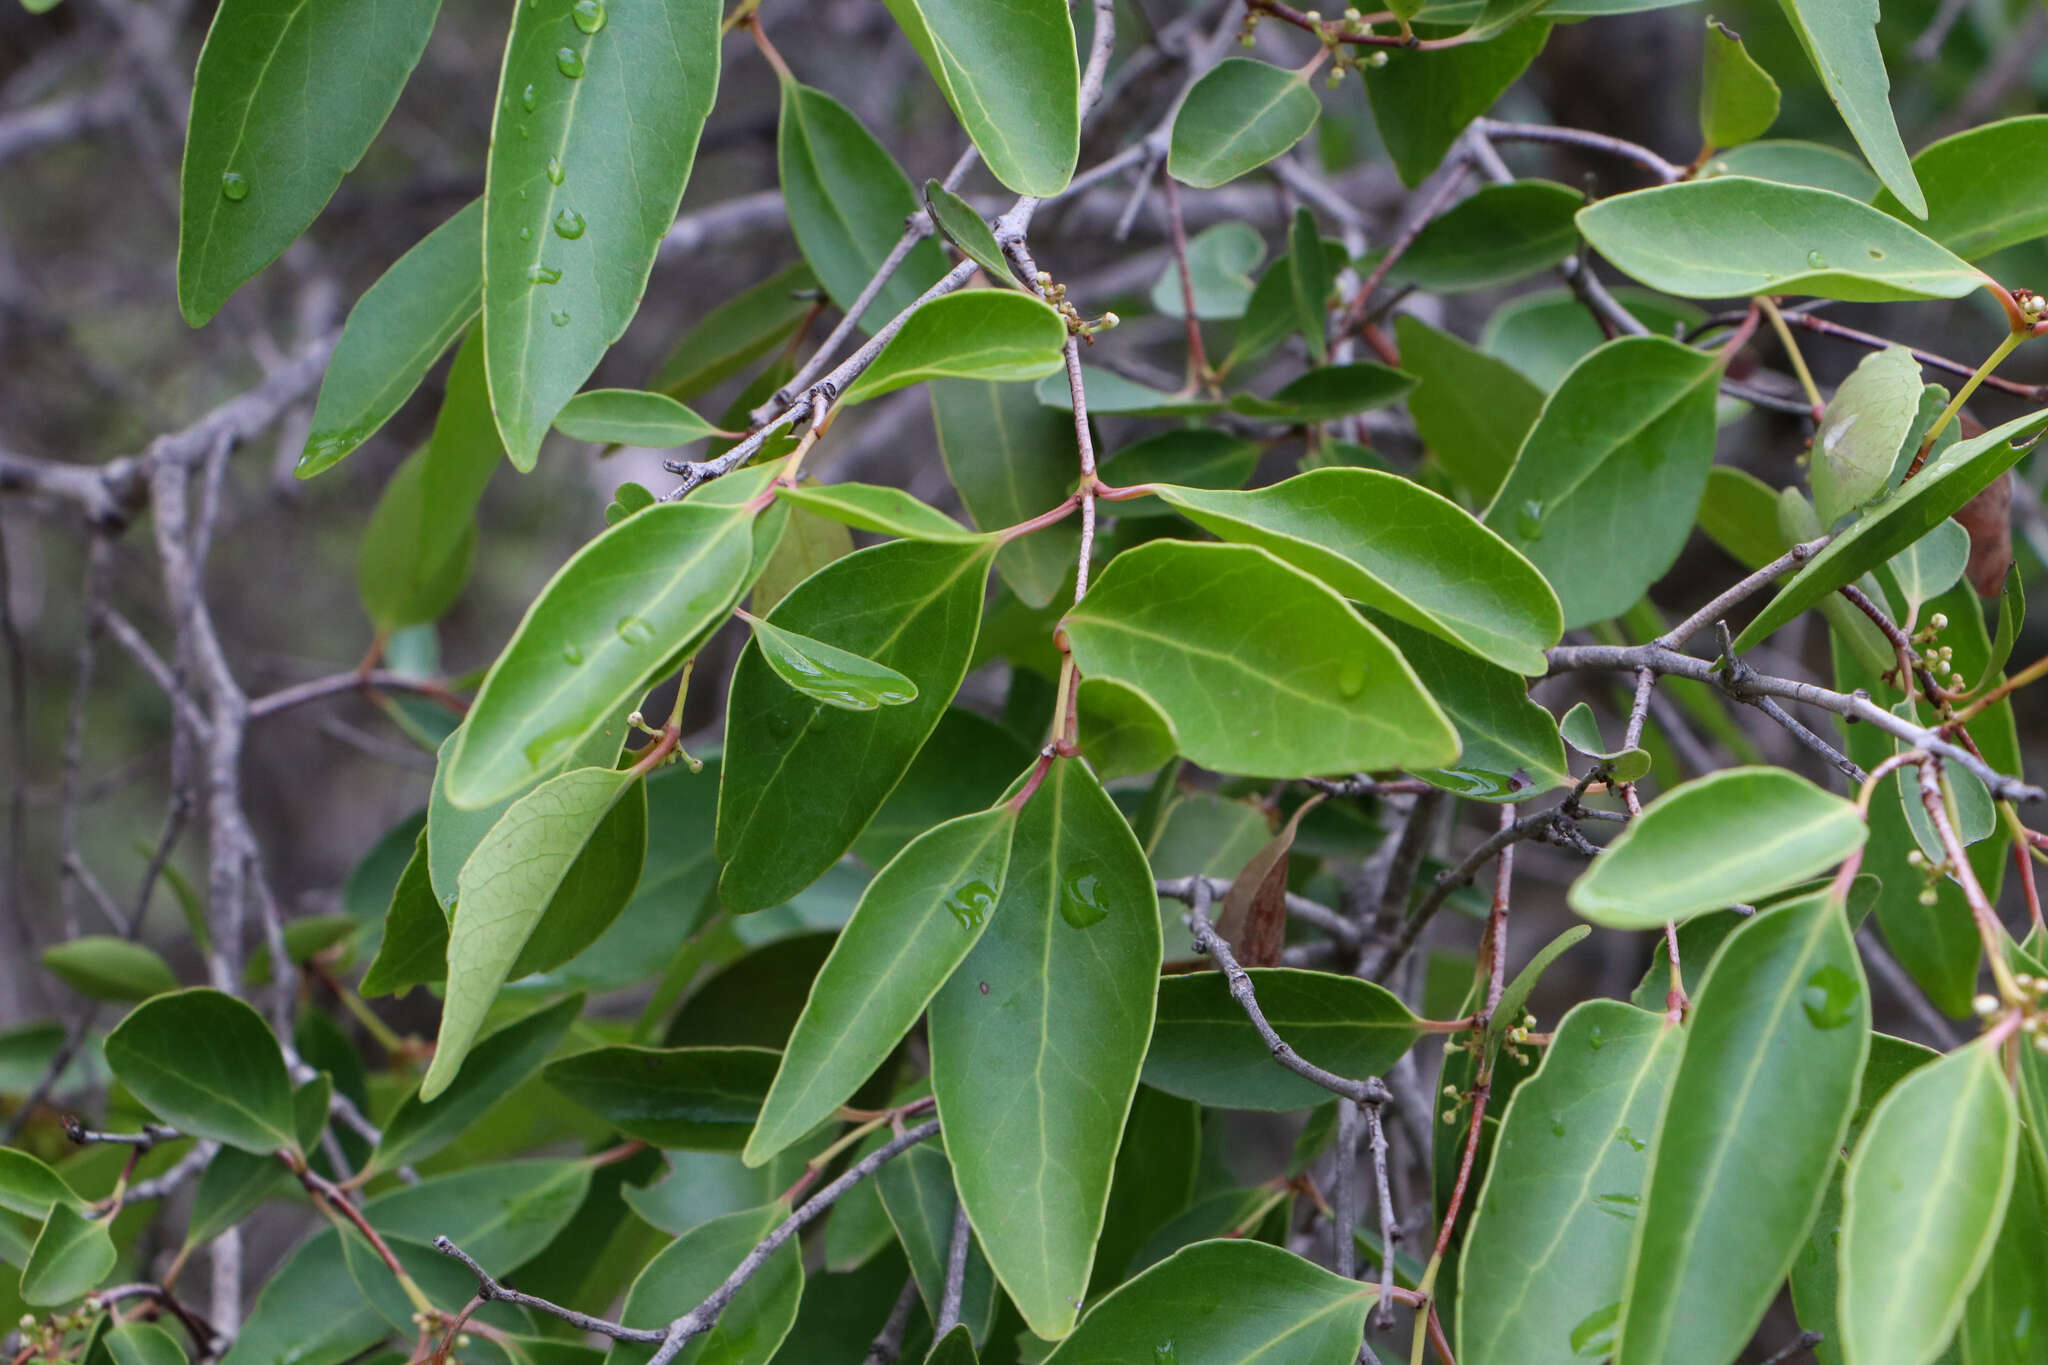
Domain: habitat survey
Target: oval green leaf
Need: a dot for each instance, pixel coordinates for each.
(829, 674)
(1841, 41)
(1858, 439)
(1239, 115)
(683, 1275)
(1011, 457)
(72, 1255)
(1738, 98)
(966, 229)
(700, 1099)
(1501, 234)
(874, 507)
(1510, 749)
(1983, 187)
(993, 334)
(632, 417)
(104, 967)
(495, 1067)
(207, 1064)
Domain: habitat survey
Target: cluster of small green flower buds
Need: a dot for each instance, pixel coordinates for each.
(1931, 869)
(1457, 1102)
(1248, 34)
(2030, 304)
(1518, 1038)
(1056, 295)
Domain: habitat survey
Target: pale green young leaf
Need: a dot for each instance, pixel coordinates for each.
(207, 1064)
(1580, 729)
(495, 1067)
(688, 1269)
(1120, 731)
(828, 673)
(1501, 234)
(1739, 513)
(1929, 567)
(1738, 98)
(105, 967)
(1982, 186)
(1841, 41)
(1240, 115)
(71, 1256)
(142, 1343)
(1792, 162)
(1269, 317)
(702, 1099)
(966, 229)
(992, 334)
(1221, 259)
(808, 544)
(874, 507)
(1546, 332)
(632, 417)
(1011, 458)
(1475, 442)
(1859, 435)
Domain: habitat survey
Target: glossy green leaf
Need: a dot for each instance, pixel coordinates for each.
(1260, 669)
(503, 891)
(1327, 393)
(1730, 236)
(808, 544)
(399, 327)
(498, 1065)
(1719, 840)
(1271, 316)
(1547, 332)
(591, 145)
(692, 1098)
(73, 1254)
(281, 111)
(1221, 259)
(1841, 41)
(1310, 278)
(1194, 457)
(872, 507)
(1502, 233)
(917, 920)
(829, 674)
(2002, 1323)
(601, 631)
(632, 417)
(1793, 162)
(233, 1184)
(1012, 76)
(1982, 187)
(104, 967)
(1510, 746)
(801, 779)
(1605, 489)
(964, 767)
(207, 1064)
(1112, 395)
(2012, 617)
(847, 201)
(1230, 1302)
(1738, 98)
(1858, 439)
(1923, 1202)
(1204, 1048)
(1929, 567)
(1739, 513)
(966, 229)
(688, 1269)
(1922, 503)
(917, 1193)
(1059, 986)
(140, 1343)
(1120, 731)
(955, 1348)
(1475, 442)
(1011, 458)
(1546, 1257)
(1580, 729)
(1509, 1012)
(414, 949)
(1158, 1165)
(1422, 100)
(1237, 117)
(30, 1187)
(1758, 1109)
(1393, 545)
(738, 332)
(998, 335)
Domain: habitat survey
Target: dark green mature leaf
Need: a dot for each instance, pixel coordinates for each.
(1309, 275)
(1225, 1303)
(30, 1187)
(631, 417)
(414, 949)
(604, 627)
(1011, 458)
(1923, 1202)
(917, 920)
(593, 138)
(1738, 98)
(1543, 334)
(1395, 546)
(955, 1348)
(964, 767)
(1272, 314)
(1059, 986)
(495, 1067)
(140, 1343)
(801, 779)
(1260, 669)
(105, 967)
(1983, 187)
(1221, 259)
(1327, 393)
(808, 544)
(1841, 41)
(2002, 1324)
(310, 1307)
(1719, 840)
(207, 1064)
(688, 1269)
(1860, 435)
(1925, 501)
(1422, 100)
(738, 332)
(1195, 457)
(1158, 1165)
(399, 327)
(1000, 335)
(1475, 442)
(73, 1254)
(286, 100)
(1501, 234)
(1605, 489)
(847, 201)
(1758, 1109)
(1739, 513)
(692, 1098)
(1204, 1048)
(1011, 74)
(918, 1196)
(1112, 395)
(966, 229)
(1239, 115)
(1546, 1257)
(1510, 746)
(1731, 235)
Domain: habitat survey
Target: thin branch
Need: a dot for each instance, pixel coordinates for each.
(491, 1291)
(1299, 907)
(1632, 152)
(1743, 590)
(888, 1346)
(1348, 1121)
(1376, 1141)
(956, 1272)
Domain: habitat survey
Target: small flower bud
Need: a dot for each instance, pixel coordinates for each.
(1450, 1117)
(1377, 60)
(1939, 620)
(1984, 1006)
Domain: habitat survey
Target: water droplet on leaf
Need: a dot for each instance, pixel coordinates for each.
(634, 631)
(1829, 997)
(234, 187)
(589, 14)
(1596, 1040)
(1816, 260)
(560, 317)
(1557, 1127)
(544, 748)
(526, 234)
(556, 175)
(529, 99)
(569, 224)
(1351, 679)
(971, 903)
(569, 62)
(1080, 900)
(1595, 1334)
(542, 274)
(572, 654)
(1529, 520)
(1624, 1135)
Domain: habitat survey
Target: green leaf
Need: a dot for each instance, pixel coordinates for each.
(104, 967)
(399, 327)
(1059, 986)
(1194, 457)
(1269, 318)
(1422, 100)
(73, 1254)
(847, 201)
(1311, 281)
(600, 632)
(1858, 439)
(916, 921)
(1475, 442)
(1510, 746)
(1581, 730)
(1500, 234)
(2012, 616)
(1792, 162)
(232, 1185)
(991, 334)
(829, 674)
(1393, 545)
(1119, 731)
(1158, 1164)
(139, 1343)
(207, 1064)
(1260, 669)
(1841, 41)
(966, 229)
(918, 1196)
(504, 888)
(738, 332)
(495, 1067)
(416, 551)
(1011, 74)
(800, 779)
(1112, 395)
(692, 1098)
(1923, 1203)
(873, 507)
(1275, 1307)
(281, 111)
(414, 950)
(2001, 1325)
(1981, 187)
(632, 417)
(1508, 1013)
(688, 1269)
(30, 1187)
(1237, 117)
(1731, 236)
(1757, 1112)
(1607, 484)
(1738, 98)
(1739, 513)
(1545, 1259)
(964, 767)
(1717, 841)
(1205, 1049)
(1929, 498)
(955, 1348)
(1545, 333)
(808, 544)
(1011, 458)
(1221, 259)
(1327, 393)
(586, 171)
(1929, 567)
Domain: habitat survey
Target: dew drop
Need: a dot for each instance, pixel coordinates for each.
(1595, 1334)
(1165, 1354)
(1557, 1127)
(589, 15)
(971, 903)
(1828, 997)
(1081, 900)
(633, 630)
(1815, 259)
(1529, 520)
(542, 274)
(556, 175)
(1351, 679)
(529, 99)
(234, 187)
(1622, 1206)
(569, 224)
(1624, 1135)
(572, 654)
(544, 748)
(1596, 1040)
(569, 62)
(526, 234)
(560, 317)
